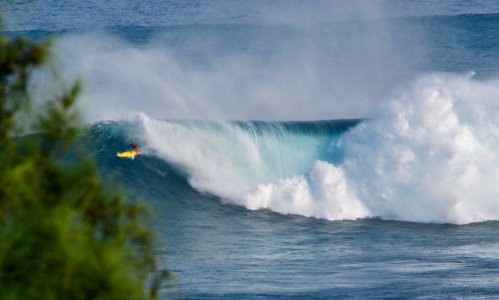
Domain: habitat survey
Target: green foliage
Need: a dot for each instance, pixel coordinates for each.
(61, 235)
(17, 58)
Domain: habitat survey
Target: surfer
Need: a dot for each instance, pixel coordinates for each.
(130, 153)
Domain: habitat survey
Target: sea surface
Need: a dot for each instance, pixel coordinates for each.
(294, 149)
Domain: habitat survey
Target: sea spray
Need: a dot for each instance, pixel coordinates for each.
(245, 72)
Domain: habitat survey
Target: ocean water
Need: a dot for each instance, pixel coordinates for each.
(294, 149)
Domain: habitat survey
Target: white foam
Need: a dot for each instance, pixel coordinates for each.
(323, 194)
(427, 156)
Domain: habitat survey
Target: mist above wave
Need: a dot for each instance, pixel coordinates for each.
(247, 72)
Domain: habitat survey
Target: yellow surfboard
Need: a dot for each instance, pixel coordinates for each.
(129, 154)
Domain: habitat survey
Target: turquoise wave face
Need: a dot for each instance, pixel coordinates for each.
(225, 158)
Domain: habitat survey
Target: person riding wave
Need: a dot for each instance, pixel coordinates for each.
(133, 145)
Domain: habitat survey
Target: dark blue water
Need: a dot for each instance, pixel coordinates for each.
(376, 207)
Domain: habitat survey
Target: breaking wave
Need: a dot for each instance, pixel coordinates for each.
(428, 155)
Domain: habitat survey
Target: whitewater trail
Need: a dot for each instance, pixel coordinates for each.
(428, 155)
